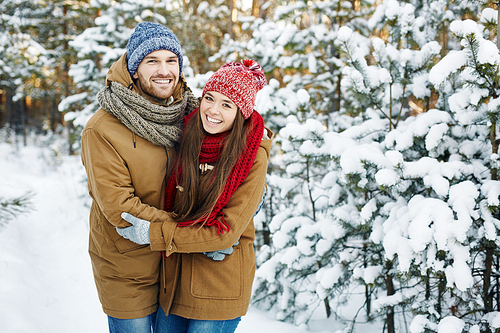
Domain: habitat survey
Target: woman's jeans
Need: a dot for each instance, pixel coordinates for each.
(138, 325)
(173, 323)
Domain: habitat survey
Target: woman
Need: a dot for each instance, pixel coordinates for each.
(213, 193)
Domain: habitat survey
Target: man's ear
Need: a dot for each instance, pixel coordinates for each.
(135, 76)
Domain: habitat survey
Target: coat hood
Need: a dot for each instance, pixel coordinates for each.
(267, 141)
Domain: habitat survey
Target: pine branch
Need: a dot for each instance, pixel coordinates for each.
(11, 208)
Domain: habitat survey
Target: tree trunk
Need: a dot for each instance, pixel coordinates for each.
(494, 147)
(487, 296)
(498, 24)
(326, 302)
(53, 110)
(255, 8)
(24, 120)
(497, 284)
(427, 286)
(368, 301)
(390, 312)
(441, 291)
(8, 106)
(327, 307)
(232, 13)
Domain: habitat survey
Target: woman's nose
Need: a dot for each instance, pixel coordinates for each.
(214, 109)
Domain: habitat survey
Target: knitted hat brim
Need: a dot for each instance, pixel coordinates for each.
(149, 46)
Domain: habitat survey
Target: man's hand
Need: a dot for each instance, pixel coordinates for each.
(221, 254)
(138, 232)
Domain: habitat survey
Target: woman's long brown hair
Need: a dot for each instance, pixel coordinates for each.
(190, 205)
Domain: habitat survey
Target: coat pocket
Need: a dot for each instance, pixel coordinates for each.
(124, 245)
(218, 279)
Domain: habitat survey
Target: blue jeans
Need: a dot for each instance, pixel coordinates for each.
(137, 325)
(176, 324)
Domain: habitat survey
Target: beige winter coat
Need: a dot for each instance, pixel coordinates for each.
(197, 287)
(125, 174)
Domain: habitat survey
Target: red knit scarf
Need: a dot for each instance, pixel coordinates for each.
(210, 153)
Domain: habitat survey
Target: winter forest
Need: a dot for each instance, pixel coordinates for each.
(384, 194)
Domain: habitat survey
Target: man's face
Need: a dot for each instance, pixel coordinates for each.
(158, 74)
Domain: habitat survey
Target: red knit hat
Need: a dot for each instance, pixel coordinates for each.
(240, 82)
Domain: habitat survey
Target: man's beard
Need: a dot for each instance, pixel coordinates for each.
(161, 94)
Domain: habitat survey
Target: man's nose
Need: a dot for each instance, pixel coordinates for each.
(163, 68)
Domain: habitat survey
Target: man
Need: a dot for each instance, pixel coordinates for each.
(127, 151)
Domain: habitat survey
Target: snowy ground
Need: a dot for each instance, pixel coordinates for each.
(46, 283)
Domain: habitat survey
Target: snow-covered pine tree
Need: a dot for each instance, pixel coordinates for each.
(384, 84)
(434, 213)
(331, 273)
(22, 59)
(468, 78)
(287, 278)
(368, 190)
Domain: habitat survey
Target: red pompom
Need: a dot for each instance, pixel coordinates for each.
(252, 66)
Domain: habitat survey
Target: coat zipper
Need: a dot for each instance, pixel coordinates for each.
(164, 255)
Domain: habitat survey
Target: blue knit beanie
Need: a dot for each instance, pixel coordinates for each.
(149, 37)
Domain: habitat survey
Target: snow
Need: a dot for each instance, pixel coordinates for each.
(303, 96)
(66, 102)
(329, 276)
(386, 177)
(449, 64)
(46, 283)
(465, 27)
(489, 15)
(451, 325)
(420, 323)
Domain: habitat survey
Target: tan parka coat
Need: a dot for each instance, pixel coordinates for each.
(197, 287)
(125, 174)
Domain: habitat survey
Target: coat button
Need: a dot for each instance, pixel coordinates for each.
(170, 248)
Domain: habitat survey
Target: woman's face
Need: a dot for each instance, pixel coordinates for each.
(217, 112)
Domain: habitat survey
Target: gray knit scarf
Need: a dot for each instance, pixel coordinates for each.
(161, 125)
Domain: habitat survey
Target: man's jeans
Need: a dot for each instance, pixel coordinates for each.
(138, 325)
(173, 323)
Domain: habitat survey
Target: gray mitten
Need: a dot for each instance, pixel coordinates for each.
(221, 254)
(138, 232)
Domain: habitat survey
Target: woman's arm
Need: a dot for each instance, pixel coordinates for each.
(238, 214)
